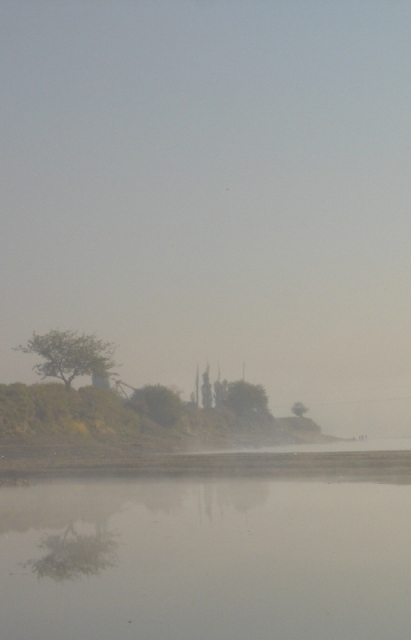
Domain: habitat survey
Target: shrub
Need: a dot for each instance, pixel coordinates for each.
(246, 399)
(52, 407)
(16, 408)
(103, 408)
(160, 404)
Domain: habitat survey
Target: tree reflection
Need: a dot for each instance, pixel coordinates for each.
(71, 555)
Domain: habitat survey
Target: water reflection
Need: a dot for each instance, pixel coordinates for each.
(76, 541)
(71, 555)
(241, 496)
(230, 559)
(57, 506)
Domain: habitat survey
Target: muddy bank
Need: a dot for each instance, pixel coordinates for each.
(22, 463)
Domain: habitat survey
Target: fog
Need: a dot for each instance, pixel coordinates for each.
(220, 184)
(209, 182)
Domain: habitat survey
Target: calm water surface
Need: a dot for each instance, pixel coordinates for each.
(205, 560)
(370, 444)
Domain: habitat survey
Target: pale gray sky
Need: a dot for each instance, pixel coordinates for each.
(215, 180)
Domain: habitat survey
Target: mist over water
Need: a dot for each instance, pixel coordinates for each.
(198, 559)
(223, 185)
(368, 444)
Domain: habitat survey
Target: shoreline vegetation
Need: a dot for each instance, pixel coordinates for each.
(53, 429)
(47, 429)
(153, 420)
(49, 432)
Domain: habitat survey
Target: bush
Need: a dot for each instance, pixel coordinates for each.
(52, 407)
(246, 399)
(160, 404)
(49, 408)
(16, 408)
(103, 409)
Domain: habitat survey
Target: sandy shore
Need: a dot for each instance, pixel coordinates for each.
(51, 461)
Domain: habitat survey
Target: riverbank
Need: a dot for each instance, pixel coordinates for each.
(68, 461)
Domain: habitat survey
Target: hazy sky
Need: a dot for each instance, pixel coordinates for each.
(215, 180)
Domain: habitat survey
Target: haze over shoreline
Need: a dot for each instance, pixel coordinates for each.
(215, 182)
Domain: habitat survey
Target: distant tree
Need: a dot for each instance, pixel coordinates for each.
(207, 390)
(299, 409)
(68, 354)
(197, 398)
(161, 404)
(244, 398)
(220, 393)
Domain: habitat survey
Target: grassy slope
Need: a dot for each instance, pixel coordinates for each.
(45, 415)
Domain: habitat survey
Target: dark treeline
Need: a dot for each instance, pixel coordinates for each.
(153, 417)
(231, 413)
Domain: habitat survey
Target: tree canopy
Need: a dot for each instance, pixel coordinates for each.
(299, 409)
(159, 403)
(244, 398)
(68, 354)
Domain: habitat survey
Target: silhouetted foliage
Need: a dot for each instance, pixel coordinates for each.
(220, 393)
(159, 403)
(248, 399)
(68, 354)
(241, 416)
(299, 409)
(207, 390)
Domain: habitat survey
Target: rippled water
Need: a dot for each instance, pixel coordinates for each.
(205, 560)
